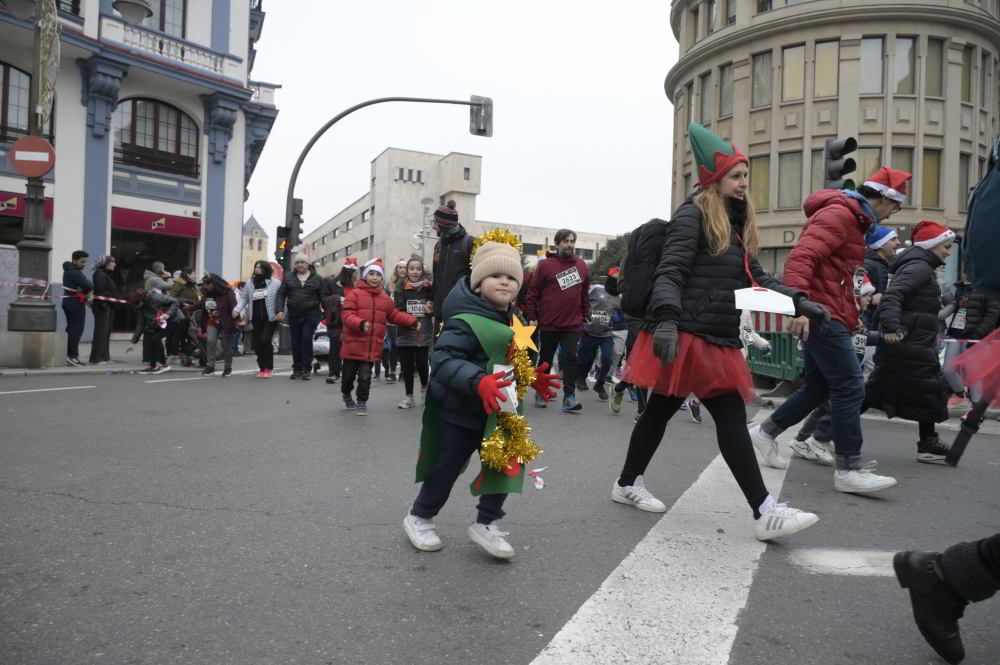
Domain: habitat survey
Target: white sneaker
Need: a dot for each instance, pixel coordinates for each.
(782, 520)
(422, 533)
(862, 481)
(491, 539)
(767, 448)
(812, 450)
(407, 403)
(637, 495)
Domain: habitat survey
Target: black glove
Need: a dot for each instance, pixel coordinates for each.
(818, 315)
(665, 341)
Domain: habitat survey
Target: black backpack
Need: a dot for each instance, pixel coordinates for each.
(639, 266)
(982, 229)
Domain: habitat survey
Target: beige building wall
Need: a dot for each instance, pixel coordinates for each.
(916, 83)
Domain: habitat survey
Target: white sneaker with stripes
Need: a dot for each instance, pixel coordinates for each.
(636, 495)
(782, 520)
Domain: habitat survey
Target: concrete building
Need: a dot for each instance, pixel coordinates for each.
(157, 129)
(255, 247)
(914, 82)
(539, 239)
(393, 219)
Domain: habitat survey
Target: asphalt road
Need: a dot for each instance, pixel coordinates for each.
(246, 521)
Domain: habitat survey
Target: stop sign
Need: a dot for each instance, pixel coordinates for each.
(32, 156)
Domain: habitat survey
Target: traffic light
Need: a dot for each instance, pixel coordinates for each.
(281, 249)
(481, 116)
(836, 163)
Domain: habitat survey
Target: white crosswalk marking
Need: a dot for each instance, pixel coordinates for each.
(45, 390)
(867, 563)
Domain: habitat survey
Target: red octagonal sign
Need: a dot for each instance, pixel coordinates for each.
(32, 156)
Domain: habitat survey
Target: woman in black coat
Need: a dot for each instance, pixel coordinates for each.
(694, 346)
(104, 285)
(907, 381)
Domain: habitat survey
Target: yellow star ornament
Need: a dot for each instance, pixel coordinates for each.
(522, 335)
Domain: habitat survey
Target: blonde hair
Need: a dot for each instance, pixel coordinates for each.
(717, 226)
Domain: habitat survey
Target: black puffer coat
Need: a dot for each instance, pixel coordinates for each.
(695, 288)
(878, 272)
(907, 381)
(452, 255)
(458, 362)
(981, 313)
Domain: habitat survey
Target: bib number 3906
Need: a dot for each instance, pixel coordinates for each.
(569, 278)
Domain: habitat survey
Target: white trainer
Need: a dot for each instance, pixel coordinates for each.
(491, 539)
(767, 448)
(407, 403)
(812, 450)
(862, 481)
(782, 520)
(637, 495)
(422, 533)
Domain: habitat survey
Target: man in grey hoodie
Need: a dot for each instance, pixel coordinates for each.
(157, 277)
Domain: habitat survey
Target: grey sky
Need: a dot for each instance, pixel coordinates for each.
(582, 127)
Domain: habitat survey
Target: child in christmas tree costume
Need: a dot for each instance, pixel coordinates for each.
(473, 362)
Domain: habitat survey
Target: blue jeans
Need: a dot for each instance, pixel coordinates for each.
(585, 358)
(832, 372)
(301, 328)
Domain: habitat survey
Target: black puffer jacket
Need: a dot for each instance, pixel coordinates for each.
(458, 362)
(981, 313)
(452, 255)
(907, 381)
(878, 272)
(695, 288)
(298, 297)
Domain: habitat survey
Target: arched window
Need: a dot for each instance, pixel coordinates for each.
(15, 86)
(251, 243)
(156, 136)
(260, 245)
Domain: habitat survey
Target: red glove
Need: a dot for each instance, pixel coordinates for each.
(489, 391)
(546, 384)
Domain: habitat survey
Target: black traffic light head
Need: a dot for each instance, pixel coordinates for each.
(836, 163)
(281, 247)
(481, 116)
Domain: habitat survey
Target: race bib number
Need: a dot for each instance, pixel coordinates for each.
(601, 318)
(958, 323)
(510, 406)
(858, 280)
(259, 294)
(416, 308)
(569, 278)
(210, 304)
(860, 342)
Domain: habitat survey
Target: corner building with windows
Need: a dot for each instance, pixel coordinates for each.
(916, 84)
(157, 129)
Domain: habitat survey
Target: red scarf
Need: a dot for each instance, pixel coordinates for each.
(415, 286)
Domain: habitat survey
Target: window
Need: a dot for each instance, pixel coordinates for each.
(902, 159)
(930, 183)
(347, 250)
(334, 256)
(763, 6)
(260, 245)
(725, 90)
(871, 66)
(793, 73)
(934, 76)
(531, 249)
(420, 176)
(585, 254)
(349, 225)
(761, 95)
(693, 20)
(322, 240)
(400, 173)
(687, 185)
(14, 90)
(790, 180)
(689, 89)
(817, 172)
(322, 260)
(156, 136)
(168, 17)
(985, 74)
(967, 75)
(826, 81)
(712, 6)
(868, 160)
(336, 232)
(904, 71)
(364, 243)
(730, 12)
(251, 243)
(409, 175)
(705, 94)
(314, 244)
(364, 216)
(467, 173)
(964, 163)
(760, 182)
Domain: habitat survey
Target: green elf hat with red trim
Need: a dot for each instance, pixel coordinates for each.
(713, 156)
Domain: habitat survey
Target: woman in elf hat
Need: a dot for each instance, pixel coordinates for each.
(908, 382)
(691, 344)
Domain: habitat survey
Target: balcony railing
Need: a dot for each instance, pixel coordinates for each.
(164, 46)
(129, 154)
(262, 93)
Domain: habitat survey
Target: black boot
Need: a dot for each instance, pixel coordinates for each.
(295, 373)
(936, 606)
(932, 450)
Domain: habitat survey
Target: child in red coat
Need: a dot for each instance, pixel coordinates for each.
(367, 310)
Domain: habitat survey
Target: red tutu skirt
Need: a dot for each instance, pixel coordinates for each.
(700, 368)
(979, 368)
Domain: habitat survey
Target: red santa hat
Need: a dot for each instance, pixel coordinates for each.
(928, 234)
(867, 288)
(374, 264)
(351, 262)
(890, 183)
(401, 262)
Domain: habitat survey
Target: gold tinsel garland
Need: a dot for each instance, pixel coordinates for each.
(502, 236)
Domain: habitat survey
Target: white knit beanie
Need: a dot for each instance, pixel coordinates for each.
(493, 258)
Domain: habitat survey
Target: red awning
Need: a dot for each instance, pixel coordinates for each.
(155, 222)
(12, 205)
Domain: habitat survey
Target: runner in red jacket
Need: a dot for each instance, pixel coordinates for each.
(558, 303)
(827, 264)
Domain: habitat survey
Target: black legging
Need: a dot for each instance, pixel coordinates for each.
(413, 358)
(263, 333)
(729, 415)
